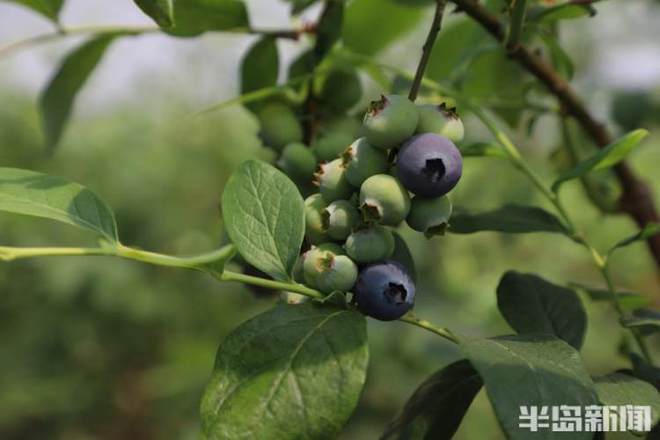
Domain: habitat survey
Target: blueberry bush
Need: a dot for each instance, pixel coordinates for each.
(321, 223)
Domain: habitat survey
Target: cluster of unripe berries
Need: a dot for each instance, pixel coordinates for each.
(365, 190)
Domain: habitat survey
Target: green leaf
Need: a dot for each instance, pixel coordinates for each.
(437, 406)
(194, 17)
(619, 389)
(403, 256)
(48, 8)
(531, 304)
(57, 100)
(647, 232)
(294, 372)
(565, 11)
(559, 56)
(530, 370)
(628, 300)
(303, 65)
(329, 29)
(263, 214)
(645, 371)
(605, 158)
(490, 75)
(372, 25)
(483, 149)
(161, 11)
(509, 218)
(646, 320)
(39, 195)
(458, 44)
(260, 66)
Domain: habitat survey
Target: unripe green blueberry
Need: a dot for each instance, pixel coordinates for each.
(375, 243)
(390, 121)
(332, 183)
(298, 162)
(362, 161)
(339, 219)
(314, 207)
(341, 89)
(298, 271)
(328, 269)
(429, 215)
(440, 120)
(343, 124)
(331, 146)
(279, 125)
(383, 199)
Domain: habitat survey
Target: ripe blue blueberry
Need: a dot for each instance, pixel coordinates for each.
(339, 219)
(384, 291)
(383, 199)
(314, 207)
(362, 161)
(367, 245)
(440, 119)
(429, 165)
(390, 121)
(328, 269)
(430, 216)
(332, 183)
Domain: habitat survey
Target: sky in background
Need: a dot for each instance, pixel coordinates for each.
(623, 51)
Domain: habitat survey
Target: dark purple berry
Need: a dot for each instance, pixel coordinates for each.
(384, 291)
(429, 165)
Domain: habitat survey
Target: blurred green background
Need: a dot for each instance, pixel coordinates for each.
(102, 348)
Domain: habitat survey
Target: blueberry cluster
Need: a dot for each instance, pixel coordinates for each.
(365, 190)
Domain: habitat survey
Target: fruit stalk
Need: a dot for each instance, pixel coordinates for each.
(427, 48)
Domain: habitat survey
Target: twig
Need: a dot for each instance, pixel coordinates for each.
(636, 199)
(427, 48)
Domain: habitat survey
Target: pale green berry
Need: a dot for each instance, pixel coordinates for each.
(439, 119)
(331, 146)
(328, 269)
(368, 245)
(430, 216)
(339, 218)
(362, 160)
(341, 89)
(390, 121)
(279, 125)
(383, 199)
(332, 183)
(314, 207)
(298, 162)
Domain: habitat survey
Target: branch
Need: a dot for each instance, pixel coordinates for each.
(427, 48)
(202, 263)
(636, 199)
